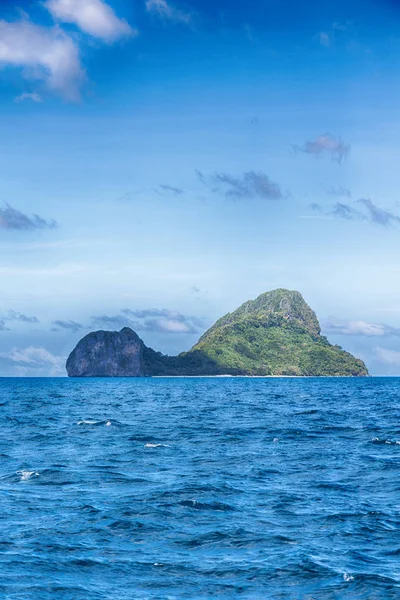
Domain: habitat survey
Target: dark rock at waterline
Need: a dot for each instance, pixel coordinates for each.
(107, 354)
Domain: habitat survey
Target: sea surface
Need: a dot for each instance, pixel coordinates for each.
(199, 488)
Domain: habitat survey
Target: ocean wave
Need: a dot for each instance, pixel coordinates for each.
(107, 422)
(186, 494)
(151, 445)
(377, 440)
(197, 505)
(25, 475)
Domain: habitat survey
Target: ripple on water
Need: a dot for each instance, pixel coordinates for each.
(199, 488)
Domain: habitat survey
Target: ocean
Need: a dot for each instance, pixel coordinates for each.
(200, 488)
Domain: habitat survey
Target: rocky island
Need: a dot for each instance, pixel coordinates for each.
(276, 334)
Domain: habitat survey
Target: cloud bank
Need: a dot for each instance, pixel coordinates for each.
(67, 325)
(250, 185)
(11, 218)
(152, 321)
(350, 212)
(378, 215)
(165, 321)
(17, 316)
(30, 360)
(360, 328)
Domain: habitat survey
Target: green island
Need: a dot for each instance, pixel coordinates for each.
(277, 334)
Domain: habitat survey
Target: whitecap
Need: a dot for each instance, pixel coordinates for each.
(148, 445)
(347, 577)
(88, 422)
(108, 424)
(26, 475)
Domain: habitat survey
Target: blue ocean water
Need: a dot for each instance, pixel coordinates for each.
(199, 488)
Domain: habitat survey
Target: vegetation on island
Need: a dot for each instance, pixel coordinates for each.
(276, 334)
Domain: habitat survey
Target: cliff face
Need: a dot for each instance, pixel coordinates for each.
(107, 354)
(276, 334)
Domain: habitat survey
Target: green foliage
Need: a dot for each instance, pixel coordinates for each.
(276, 334)
(270, 345)
(285, 303)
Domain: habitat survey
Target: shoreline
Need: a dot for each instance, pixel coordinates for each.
(261, 376)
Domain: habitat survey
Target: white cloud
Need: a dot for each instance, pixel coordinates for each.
(32, 359)
(31, 356)
(368, 329)
(357, 328)
(163, 321)
(46, 54)
(170, 326)
(360, 328)
(35, 97)
(164, 10)
(389, 357)
(94, 17)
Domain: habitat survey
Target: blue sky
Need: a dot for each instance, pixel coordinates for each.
(163, 162)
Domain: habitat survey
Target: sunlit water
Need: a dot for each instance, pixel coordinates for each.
(200, 488)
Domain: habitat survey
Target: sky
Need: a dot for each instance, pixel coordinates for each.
(163, 162)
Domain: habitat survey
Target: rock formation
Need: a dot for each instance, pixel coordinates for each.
(107, 354)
